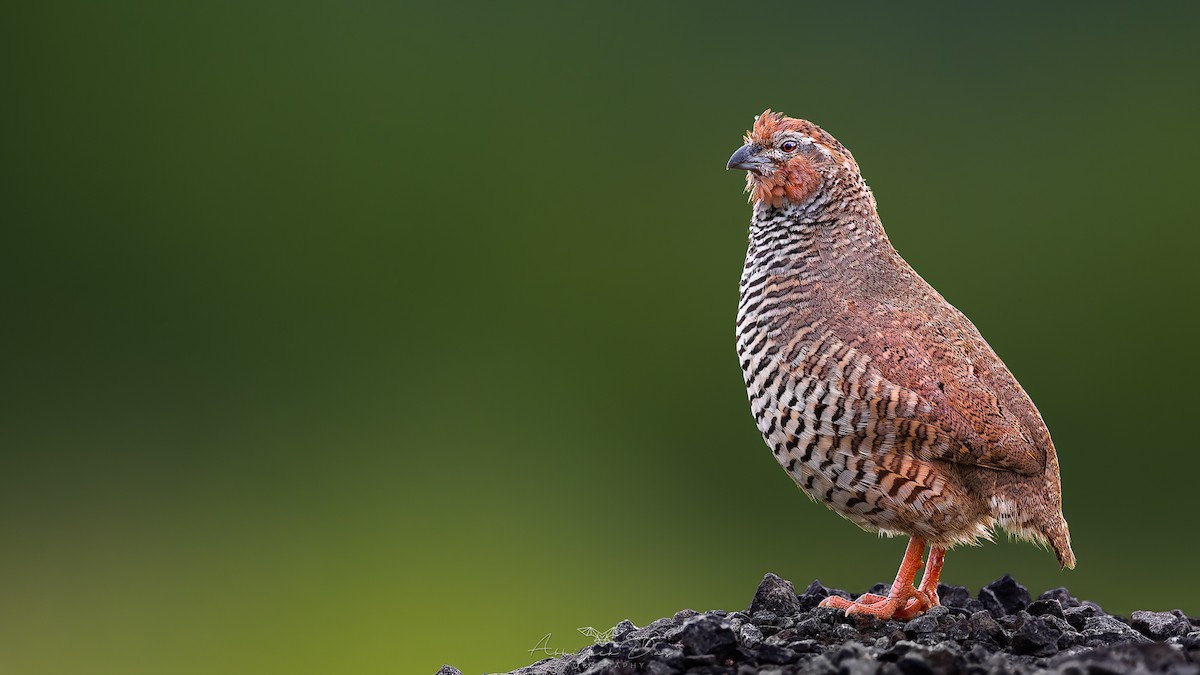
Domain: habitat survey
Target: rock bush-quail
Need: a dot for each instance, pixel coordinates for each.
(878, 397)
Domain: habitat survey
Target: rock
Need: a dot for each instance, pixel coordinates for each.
(448, 670)
(623, 629)
(1105, 630)
(1078, 616)
(765, 617)
(708, 670)
(849, 650)
(1160, 625)
(685, 614)
(750, 635)
(660, 668)
(983, 628)
(775, 595)
(655, 630)
(775, 654)
(666, 653)
(1062, 595)
(938, 612)
(608, 667)
(815, 593)
(880, 589)
(1036, 636)
(953, 596)
(707, 634)
(844, 631)
(805, 647)
(1126, 657)
(820, 665)
(788, 634)
(1004, 596)
(921, 624)
(1045, 606)
(810, 627)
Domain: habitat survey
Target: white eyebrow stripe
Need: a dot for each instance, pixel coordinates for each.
(809, 140)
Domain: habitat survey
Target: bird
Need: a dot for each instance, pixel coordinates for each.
(878, 397)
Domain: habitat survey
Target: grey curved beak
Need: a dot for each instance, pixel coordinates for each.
(746, 158)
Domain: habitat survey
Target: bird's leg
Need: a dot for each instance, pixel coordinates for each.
(903, 601)
(933, 570)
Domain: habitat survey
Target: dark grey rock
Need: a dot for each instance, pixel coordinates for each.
(1062, 595)
(781, 637)
(998, 632)
(805, 647)
(607, 667)
(693, 660)
(844, 631)
(750, 635)
(819, 665)
(1127, 657)
(815, 593)
(685, 614)
(448, 670)
(775, 654)
(914, 664)
(845, 651)
(880, 589)
(707, 634)
(765, 617)
(921, 624)
(660, 668)
(775, 595)
(1078, 616)
(623, 629)
(940, 613)
(1004, 596)
(810, 627)
(711, 670)
(1045, 606)
(983, 628)
(954, 596)
(1036, 636)
(939, 660)
(858, 666)
(1160, 625)
(1100, 631)
(654, 631)
(1069, 639)
(669, 654)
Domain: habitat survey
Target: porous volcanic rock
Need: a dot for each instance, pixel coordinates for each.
(999, 630)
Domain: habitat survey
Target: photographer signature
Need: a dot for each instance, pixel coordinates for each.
(637, 647)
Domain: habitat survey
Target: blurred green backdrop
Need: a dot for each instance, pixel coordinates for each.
(363, 337)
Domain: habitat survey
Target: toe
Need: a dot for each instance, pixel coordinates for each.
(836, 602)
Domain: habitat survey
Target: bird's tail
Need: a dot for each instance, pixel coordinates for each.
(1059, 537)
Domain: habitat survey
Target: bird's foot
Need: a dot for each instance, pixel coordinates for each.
(904, 604)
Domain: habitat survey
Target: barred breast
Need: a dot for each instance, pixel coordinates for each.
(845, 435)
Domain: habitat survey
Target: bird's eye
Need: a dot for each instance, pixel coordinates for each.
(788, 146)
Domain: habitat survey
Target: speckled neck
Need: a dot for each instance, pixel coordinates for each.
(837, 229)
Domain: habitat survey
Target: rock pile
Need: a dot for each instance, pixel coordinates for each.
(1000, 630)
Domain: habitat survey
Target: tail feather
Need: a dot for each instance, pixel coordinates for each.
(1059, 536)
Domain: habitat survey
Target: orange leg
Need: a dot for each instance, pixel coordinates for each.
(903, 601)
(933, 570)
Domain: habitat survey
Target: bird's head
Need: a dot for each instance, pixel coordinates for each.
(789, 160)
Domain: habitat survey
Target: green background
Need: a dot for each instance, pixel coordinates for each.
(363, 337)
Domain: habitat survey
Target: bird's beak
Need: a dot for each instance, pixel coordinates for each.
(747, 159)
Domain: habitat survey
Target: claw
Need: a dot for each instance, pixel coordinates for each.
(904, 601)
(906, 604)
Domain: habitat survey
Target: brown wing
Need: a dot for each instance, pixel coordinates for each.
(926, 392)
(963, 390)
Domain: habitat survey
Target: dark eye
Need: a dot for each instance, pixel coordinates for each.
(788, 146)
